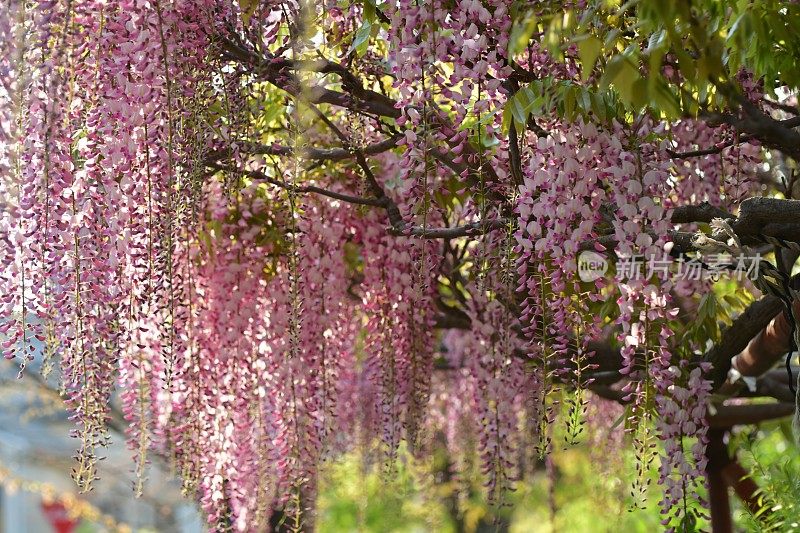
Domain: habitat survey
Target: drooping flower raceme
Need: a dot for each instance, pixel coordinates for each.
(275, 255)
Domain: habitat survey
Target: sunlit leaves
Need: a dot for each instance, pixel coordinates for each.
(568, 99)
(369, 27)
(702, 44)
(520, 106)
(621, 72)
(521, 33)
(248, 8)
(370, 11)
(589, 49)
(361, 38)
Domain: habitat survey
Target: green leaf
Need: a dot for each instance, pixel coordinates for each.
(362, 38)
(663, 99)
(612, 68)
(611, 39)
(552, 36)
(507, 118)
(488, 141)
(585, 101)
(519, 107)
(623, 75)
(640, 96)
(521, 33)
(656, 40)
(569, 103)
(369, 11)
(708, 307)
(688, 524)
(588, 51)
(620, 419)
(732, 301)
(742, 20)
(248, 8)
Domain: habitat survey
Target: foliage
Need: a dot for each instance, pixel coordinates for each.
(590, 492)
(768, 454)
(588, 496)
(674, 59)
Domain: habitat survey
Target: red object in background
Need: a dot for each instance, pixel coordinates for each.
(57, 514)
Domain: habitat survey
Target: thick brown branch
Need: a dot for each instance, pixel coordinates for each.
(736, 337)
(778, 134)
(774, 217)
(749, 413)
(703, 212)
(681, 242)
(759, 217)
(278, 71)
(773, 384)
(763, 351)
(392, 211)
(452, 317)
(794, 110)
(746, 489)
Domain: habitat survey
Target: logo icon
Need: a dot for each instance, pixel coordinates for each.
(591, 266)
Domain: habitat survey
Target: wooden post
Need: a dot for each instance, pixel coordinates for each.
(737, 477)
(719, 502)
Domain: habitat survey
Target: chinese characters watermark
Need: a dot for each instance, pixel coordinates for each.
(592, 266)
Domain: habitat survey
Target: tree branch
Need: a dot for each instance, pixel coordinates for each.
(703, 212)
(736, 337)
(314, 154)
(778, 134)
(775, 217)
(392, 211)
(260, 176)
(277, 71)
(749, 413)
(475, 228)
(709, 151)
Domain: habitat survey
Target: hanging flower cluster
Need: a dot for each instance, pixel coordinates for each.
(244, 241)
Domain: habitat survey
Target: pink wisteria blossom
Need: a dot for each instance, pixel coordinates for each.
(176, 233)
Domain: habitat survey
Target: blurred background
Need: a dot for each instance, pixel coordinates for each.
(579, 488)
(582, 488)
(37, 493)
